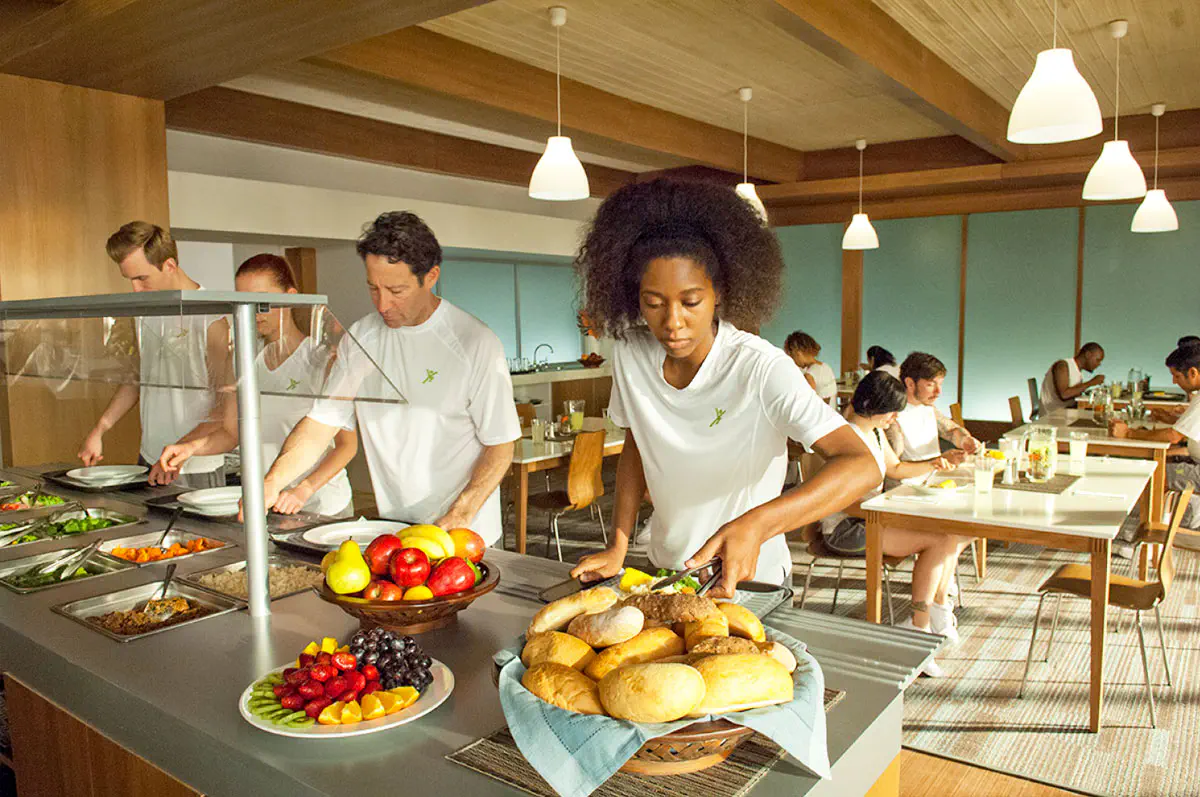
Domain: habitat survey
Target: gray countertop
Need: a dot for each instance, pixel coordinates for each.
(171, 698)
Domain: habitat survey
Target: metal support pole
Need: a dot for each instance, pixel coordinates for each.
(250, 443)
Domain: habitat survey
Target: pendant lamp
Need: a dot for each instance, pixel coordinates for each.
(1155, 214)
(1056, 104)
(860, 234)
(1115, 174)
(745, 189)
(559, 175)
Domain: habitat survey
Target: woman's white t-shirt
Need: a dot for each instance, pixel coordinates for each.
(824, 379)
(286, 396)
(717, 448)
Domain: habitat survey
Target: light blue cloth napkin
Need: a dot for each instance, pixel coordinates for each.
(576, 753)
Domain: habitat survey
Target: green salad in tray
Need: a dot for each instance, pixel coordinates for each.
(662, 572)
(64, 528)
(31, 580)
(23, 502)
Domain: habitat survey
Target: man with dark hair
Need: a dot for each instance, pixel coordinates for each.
(189, 351)
(920, 425)
(1188, 340)
(1063, 382)
(1184, 364)
(439, 456)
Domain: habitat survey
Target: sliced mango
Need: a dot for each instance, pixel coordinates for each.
(312, 648)
(329, 645)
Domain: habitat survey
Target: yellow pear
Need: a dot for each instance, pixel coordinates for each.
(349, 572)
(434, 533)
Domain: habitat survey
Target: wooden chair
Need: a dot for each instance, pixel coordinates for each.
(1035, 402)
(1125, 593)
(1014, 410)
(584, 486)
(956, 413)
(526, 413)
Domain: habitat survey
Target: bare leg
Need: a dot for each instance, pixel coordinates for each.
(953, 549)
(927, 571)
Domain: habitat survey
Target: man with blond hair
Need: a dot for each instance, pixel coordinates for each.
(189, 353)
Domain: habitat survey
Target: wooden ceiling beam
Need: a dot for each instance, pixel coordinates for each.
(240, 115)
(162, 50)
(862, 38)
(427, 60)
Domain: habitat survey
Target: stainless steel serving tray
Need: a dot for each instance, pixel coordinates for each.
(152, 538)
(127, 599)
(17, 484)
(273, 560)
(19, 515)
(122, 519)
(98, 565)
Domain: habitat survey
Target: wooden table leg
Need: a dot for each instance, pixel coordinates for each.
(980, 559)
(1100, 565)
(1158, 488)
(522, 503)
(874, 567)
(1144, 504)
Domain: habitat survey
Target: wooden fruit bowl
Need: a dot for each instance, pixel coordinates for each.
(413, 617)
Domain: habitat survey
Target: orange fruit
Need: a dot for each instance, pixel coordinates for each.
(351, 713)
(420, 593)
(372, 707)
(406, 695)
(391, 703)
(332, 714)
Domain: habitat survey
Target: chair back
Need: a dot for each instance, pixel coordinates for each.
(1035, 402)
(584, 483)
(956, 413)
(1014, 410)
(1166, 565)
(526, 413)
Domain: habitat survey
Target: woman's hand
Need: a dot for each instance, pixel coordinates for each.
(954, 457)
(92, 450)
(737, 544)
(292, 501)
(599, 566)
(170, 463)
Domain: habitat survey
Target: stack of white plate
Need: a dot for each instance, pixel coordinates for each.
(362, 531)
(107, 475)
(213, 502)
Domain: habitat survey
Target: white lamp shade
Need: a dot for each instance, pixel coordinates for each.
(1155, 214)
(746, 191)
(860, 234)
(1056, 103)
(1115, 174)
(559, 175)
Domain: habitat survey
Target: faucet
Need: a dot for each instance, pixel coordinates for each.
(535, 354)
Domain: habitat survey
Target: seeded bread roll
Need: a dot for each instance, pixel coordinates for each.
(715, 625)
(715, 646)
(558, 648)
(673, 608)
(651, 692)
(743, 622)
(558, 615)
(651, 644)
(739, 681)
(563, 686)
(610, 627)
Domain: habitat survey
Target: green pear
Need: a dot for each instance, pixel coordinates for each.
(349, 572)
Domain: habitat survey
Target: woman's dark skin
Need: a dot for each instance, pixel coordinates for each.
(680, 305)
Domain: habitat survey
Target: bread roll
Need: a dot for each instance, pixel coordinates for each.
(673, 607)
(651, 692)
(716, 646)
(563, 686)
(558, 615)
(743, 622)
(738, 681)
(782, 654)
(715, 625)
(558, 648)
(609, 627)
(654, 643)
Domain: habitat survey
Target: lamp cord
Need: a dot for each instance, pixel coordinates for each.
(1156, 152)
(745, 140)
(1054, 40)
(558, 75)
(1117, 101)
(860, 179)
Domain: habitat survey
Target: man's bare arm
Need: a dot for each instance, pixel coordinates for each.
(491, 466)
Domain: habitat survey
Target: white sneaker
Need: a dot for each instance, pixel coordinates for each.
(931, 669)
(943, 621)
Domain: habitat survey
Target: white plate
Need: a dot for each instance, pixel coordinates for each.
(107, 473)
(935, 478)
(214, 510)
(331, 535)
(213, 496)
(435, 695)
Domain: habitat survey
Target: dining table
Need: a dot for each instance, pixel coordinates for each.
(1085, 517)
(530, 457)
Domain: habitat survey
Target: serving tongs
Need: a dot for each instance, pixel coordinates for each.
(21, 529)
(64, 565)
(713, 566)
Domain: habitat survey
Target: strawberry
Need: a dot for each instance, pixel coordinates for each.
(324, 658)
(370, 672)
(344, 661)
(307, 659)
(350, 696)
(310, 690)
(336, 687)
(355, 680)
(288, 671)
(293, 702)
(315, 707)
(372, 686)
(297, 677)
(322, 672)
(282, 689)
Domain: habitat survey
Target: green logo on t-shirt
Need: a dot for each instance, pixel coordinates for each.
(429, 375)
(717, 420)
(293, 383)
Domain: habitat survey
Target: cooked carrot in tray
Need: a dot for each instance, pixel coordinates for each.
(154, 553)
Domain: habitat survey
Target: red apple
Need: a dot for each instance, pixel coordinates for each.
(374, 590)
(409, 567)
(468, 544)
(379, 553)
(390, 592)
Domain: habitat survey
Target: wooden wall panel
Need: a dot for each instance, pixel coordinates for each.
(77, 164)
(596, 392)
(852, 293)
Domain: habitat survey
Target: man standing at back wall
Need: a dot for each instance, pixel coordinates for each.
(439, 457)
(189, 351)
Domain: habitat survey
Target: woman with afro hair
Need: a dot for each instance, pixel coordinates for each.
(675, 271)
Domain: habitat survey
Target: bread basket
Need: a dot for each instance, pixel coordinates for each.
(413, 617)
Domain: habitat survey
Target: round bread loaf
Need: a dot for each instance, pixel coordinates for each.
(563, 686)
(651, 692)
(743, 622)
(673, 607)
(558, 648)
(651, 644)
(557, 615)
(738, 681)
(715, 625)
(610, 627)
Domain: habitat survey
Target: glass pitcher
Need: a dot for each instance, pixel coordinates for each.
(1043, 454)
(1101, 405)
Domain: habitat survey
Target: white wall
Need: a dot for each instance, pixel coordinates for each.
(210, 264)
(342, 277)
(244, 251)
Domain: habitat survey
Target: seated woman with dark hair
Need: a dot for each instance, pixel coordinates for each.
(876, 401)
(880, 359)
(804, 349)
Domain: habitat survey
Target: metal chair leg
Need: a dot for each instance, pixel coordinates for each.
(887, 587)
(549, 534)
(600, 517)
(837, 586)
(1162, 645)
(1037, 619)
(557, 540)
(807, 581)
(1053, 626)
(974, 564)
(1145, 667)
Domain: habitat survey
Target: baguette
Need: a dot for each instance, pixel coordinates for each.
(654, 643)
(743, 622)
(651, 692)
(609, 627)
(558, 648)
(557, 615)
(564, 687)
(738, 681)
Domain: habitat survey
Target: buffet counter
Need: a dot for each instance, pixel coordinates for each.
(172, 698)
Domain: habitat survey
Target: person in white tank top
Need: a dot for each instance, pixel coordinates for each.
(192, 351)
(1063, 382)
(803, 349)
(290, 362)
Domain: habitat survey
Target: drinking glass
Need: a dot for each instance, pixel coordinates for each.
(985, 472)
(574, 410)
(538, 430)
(1078, 444)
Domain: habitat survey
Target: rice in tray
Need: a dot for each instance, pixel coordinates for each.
(284, 579)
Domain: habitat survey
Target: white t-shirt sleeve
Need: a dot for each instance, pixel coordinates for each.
(490, 404)
(826, 381)
(1188, 425)
(337, 408)
(794, 407)
(616, 405)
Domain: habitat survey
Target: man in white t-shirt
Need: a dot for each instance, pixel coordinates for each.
(189, 351)
(439, 456)
(919, 427)
(1063, 382)
(803, 349)
(1184, 364)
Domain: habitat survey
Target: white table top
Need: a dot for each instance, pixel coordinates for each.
(1095, 506)
(1062, 420)
(527, 451)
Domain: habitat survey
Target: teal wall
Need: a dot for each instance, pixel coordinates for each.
(812, 288)
(1141, 292)
(487, 291)
(548, 307)
(911, 292)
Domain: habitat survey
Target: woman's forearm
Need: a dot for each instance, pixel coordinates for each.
(345, 446)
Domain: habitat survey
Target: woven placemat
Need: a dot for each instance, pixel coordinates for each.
(1084, 423)
(497, 757)
(1056, 486)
